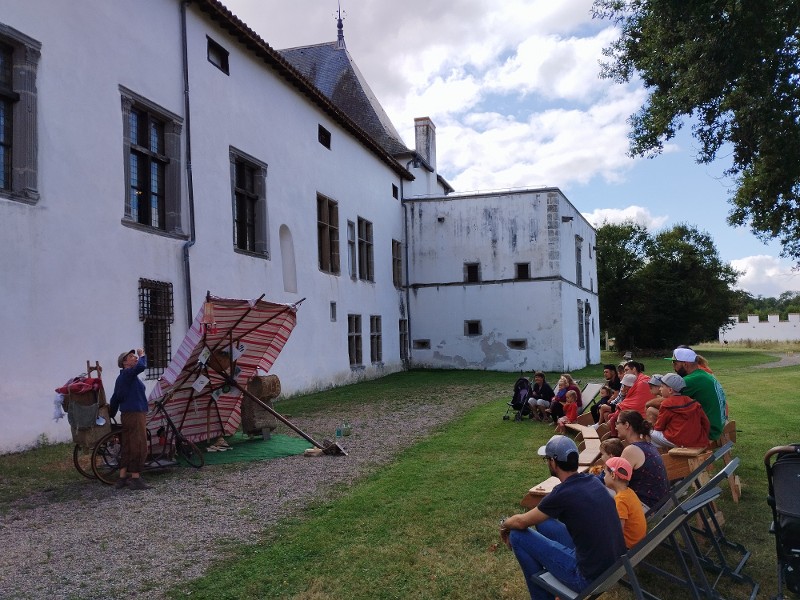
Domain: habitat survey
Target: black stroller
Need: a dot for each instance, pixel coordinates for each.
(519, 401)
(783, 476)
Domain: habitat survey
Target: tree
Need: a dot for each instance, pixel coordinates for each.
(659, 291)
(621, 250)
(734, 67)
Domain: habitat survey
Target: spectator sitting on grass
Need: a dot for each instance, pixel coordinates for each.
(618, 473)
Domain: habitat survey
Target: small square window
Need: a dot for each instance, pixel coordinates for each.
(472, 328)
(333, 311)
(517, 344)
(472, 272)
(422, 344)
(523, 270)
(218, 56)
(324, 137)
(395, 191)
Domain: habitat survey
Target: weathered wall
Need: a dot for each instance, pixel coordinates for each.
(773, 329)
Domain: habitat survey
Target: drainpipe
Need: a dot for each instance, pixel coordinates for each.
(405, 232)
(187, 273)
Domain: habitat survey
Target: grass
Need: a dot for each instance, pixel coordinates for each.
(426, 525)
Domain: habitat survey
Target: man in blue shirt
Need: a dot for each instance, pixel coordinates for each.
(129, 398)
(578, 533)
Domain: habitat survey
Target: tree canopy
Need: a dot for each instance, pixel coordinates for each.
(660, 291)
(734, 67)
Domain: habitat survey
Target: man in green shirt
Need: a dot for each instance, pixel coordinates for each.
(703, 387)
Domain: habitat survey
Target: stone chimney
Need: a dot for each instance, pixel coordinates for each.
(425, 137)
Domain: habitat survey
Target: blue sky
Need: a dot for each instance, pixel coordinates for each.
(513, 89)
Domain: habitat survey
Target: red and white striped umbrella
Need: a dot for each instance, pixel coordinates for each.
(228, 339)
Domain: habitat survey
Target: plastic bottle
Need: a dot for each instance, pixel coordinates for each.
(338, 432)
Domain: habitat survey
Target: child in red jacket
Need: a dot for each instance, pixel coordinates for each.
(681, 420)
(570, 411)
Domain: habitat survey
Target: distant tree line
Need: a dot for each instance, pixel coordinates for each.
(660, 290)
(747, 304)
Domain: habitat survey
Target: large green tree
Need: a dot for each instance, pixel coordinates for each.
(734, 68)
(659, 291)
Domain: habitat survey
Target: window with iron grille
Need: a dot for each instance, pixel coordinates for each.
(375, 339)
(366, 268)
(153, 165)
(156, 314)
(19, 59)
(351, 249)
(249, 184)
(403, 329)
(354, 340)
(581, 343)
(397, 263)
(328, 234)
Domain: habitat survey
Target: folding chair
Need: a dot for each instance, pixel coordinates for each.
(714, 559)
(624, 566)
(588, 396)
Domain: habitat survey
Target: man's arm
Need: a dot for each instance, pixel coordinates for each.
(521, 521)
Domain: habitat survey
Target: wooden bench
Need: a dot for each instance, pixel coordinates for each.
(539, 491)
(585, 430)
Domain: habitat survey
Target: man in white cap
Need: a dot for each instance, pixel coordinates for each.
(703, 387)
(578, 533)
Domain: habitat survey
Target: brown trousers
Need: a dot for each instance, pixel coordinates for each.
(134, 441)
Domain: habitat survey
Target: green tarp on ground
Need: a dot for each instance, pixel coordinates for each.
(246, 449)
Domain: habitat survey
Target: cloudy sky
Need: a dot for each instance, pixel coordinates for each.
(514, 92)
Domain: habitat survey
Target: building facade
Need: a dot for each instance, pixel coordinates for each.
(156, 150)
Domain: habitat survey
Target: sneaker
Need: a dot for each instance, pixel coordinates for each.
(137, 483)
(121, 483)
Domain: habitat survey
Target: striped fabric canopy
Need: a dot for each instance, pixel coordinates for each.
(228, 337)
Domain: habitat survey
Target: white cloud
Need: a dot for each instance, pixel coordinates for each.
(636, 214)
(766, 276)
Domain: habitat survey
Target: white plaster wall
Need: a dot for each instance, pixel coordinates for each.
(69, 269)
(774, 329)
(498, 230)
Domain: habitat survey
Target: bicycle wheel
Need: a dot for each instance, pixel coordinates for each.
(82, 458)
(188, 452)
(105, 457)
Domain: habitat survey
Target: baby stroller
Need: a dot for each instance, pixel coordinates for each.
(783, 477)
(519, 401)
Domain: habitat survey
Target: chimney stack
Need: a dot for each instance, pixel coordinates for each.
(425, 137)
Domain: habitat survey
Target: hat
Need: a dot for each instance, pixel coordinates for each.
(559, 447)
(674, 381)
(655, 379)
(628, 379)
(123, 356)
(620, 467)
(684, 355)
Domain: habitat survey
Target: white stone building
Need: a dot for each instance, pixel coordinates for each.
(154, 150)
(753, 329)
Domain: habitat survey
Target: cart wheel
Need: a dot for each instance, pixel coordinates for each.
(189, 453)
(82, 458)
(105, 457)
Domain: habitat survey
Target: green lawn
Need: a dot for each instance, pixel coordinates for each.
(426, 526)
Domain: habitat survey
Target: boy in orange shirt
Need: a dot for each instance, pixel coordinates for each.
(631, 515)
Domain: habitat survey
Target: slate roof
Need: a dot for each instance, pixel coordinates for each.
(219, 13)
(331, 69)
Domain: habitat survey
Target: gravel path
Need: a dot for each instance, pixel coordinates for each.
(785, 359)
(173, 532)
